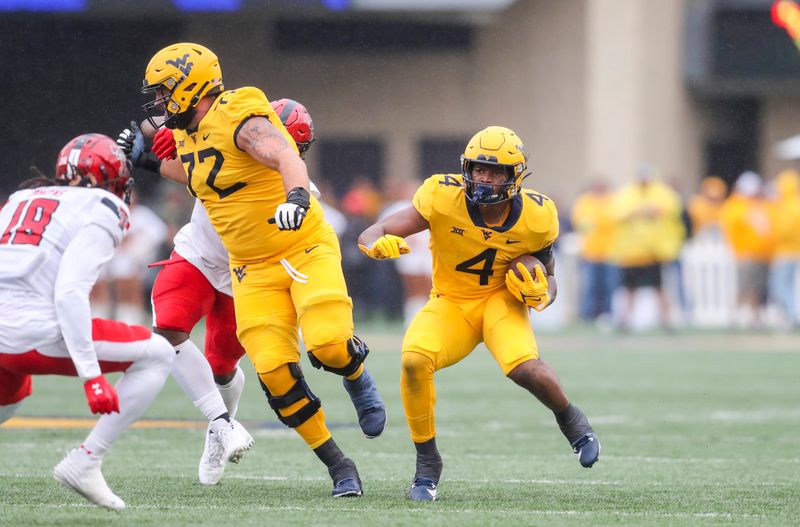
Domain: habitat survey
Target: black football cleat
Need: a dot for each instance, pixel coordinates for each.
(587, 448)
(423, 489)
(368, 404)
(346, 481)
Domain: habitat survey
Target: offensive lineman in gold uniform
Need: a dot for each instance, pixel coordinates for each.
(285, 261)
(479, 222)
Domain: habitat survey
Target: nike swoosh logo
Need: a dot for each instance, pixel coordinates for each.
(311, 249)
(206, 137)
(509, 242)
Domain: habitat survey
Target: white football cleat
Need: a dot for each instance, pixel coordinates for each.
(82, 474)
(224, 442)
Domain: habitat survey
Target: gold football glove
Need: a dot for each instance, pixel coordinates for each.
(532, 293)
(387, 246)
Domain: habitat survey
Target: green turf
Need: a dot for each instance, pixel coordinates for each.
(693, 433)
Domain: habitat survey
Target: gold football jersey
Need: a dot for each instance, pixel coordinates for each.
(470, 259)
(239, 193)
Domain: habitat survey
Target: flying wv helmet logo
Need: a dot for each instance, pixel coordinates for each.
(240, 272)
(182, 64)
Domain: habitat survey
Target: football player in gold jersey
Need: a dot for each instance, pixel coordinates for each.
(243, 165)
(479, 222)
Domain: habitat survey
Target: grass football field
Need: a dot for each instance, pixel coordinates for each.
(696, 430)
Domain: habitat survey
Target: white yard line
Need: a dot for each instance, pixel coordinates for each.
(425, 510)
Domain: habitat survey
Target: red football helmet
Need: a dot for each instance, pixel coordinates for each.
(95, 160)
(297, 121)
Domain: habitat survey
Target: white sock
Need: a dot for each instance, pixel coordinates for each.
(7, 411)
(194, 376)
(136, 390)
(232, 392)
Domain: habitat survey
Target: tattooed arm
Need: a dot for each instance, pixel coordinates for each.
(269, 147)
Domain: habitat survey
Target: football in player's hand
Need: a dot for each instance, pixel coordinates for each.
(529, 262)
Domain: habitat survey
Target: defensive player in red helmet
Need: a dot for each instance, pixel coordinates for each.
(56, 236)
(297, 121)
(196, 282)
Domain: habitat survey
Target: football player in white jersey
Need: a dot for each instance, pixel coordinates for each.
(196, 282)
(56, 235)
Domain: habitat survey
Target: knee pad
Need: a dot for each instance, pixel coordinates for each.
(297, 392)
(358, 352)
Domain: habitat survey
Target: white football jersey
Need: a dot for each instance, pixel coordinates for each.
(36, 226)
(202, 247)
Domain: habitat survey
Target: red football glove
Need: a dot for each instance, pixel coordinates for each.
(101, 395)
(164, 144)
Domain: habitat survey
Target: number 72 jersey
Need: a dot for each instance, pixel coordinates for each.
(470, 259)
(239, 193)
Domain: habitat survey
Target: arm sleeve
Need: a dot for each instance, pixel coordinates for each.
(80, 266)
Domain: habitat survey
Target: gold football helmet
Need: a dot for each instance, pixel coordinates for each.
(498, 146)
(180, 75)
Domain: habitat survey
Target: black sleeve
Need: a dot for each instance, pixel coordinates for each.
(545, 255)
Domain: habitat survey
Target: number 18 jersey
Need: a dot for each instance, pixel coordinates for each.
(470, 259)
(37, 225)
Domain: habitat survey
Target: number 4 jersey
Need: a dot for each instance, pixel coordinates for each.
(470, 259)
(38, 224)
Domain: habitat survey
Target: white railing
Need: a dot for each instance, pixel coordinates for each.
(709, 280)
(708, 273)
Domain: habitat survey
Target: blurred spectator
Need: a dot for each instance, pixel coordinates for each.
(593, 219)
(122, 289)
(786, 226)
(745, 219)
(416, 267)
(649, 233)
(706, 206)
(327, 201)
(372, 285)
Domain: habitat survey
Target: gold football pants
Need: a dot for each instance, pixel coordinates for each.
(443, 333)
(305, 288)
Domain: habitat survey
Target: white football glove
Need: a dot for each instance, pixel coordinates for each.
(289, 216)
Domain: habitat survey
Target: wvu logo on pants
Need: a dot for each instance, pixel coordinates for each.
(240, 272)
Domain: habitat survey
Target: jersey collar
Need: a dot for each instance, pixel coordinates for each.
(511, 220)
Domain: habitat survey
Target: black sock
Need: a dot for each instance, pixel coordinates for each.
(329, 453)
(339, 466)
(429, 462)
(573, 423)
(225, 416)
